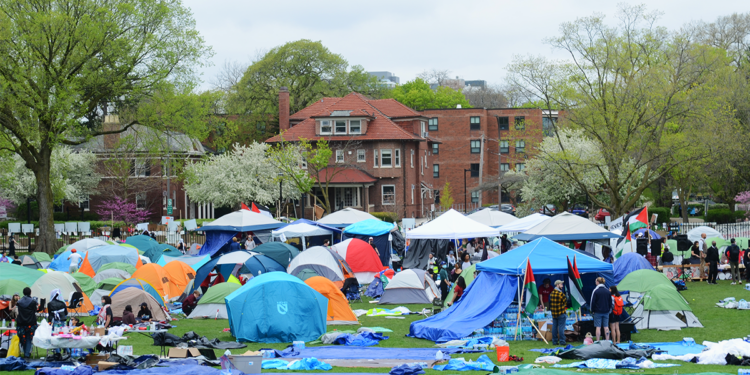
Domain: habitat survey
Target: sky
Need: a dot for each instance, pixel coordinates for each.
(471, 39)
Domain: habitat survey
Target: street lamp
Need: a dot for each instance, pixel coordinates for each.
(465, 191)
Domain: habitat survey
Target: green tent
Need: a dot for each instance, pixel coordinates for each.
(61, 250)
(86, 283)
(664, 297)
(11, 287)
(151, 248)
(108, 284)
(212, 304)
(278, 251)
(306, 274)
(15, 272)
(720, 242)
(129, 268)
(41, 257)
(662, 307)
(643, 280)
(468, 275)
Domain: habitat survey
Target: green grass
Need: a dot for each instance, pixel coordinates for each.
(721, 324)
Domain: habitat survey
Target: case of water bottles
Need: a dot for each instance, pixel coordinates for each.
(505, 326)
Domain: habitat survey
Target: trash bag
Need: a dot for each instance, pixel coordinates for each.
(14, 350)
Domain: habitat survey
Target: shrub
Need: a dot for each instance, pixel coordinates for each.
(663, 212)
(724, 215)
(390, 217)
(718, 206)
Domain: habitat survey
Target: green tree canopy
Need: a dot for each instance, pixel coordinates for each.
(418, 95)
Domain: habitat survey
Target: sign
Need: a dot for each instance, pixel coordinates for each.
(616, 224)
(165, 220)
(169, 206)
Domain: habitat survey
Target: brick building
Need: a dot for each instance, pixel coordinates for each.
(482, 144)
(381, 158)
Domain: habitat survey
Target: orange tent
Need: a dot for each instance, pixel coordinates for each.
(155, 275)
(179, 274)
(86, 268)
(339, 311)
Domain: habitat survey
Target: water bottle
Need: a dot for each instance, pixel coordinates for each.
(3, 323)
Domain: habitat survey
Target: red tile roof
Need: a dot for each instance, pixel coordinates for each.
(394, 108)
(346, 176)
(314, 108)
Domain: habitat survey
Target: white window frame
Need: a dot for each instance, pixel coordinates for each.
(88, 203)
(376, 160)
(363, 155)
(339, 156)
(397, 158)
(412, 193)
(475, 196)
(140, 197)
(382, 195)
(329, 126)
(382, 157)
(411, 159)
(423, 127)
(140, 167)
(360, 127)
(422, 162)
(335, 126)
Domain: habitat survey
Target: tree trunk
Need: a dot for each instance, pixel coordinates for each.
(46, 241)
(683, 197)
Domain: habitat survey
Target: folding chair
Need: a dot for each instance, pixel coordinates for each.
(76, 304)
(351, 290)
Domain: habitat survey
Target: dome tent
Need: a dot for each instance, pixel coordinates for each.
(276, 308)
(278, 251)
(339, 311)
(323, 262)
(30, 262)
(87, 283)
(105, 255)
(154, 274)
(643, 280)
(16, 272)
(137, 284)
(59, 280)
(194, 261)
(243, 261)
(212, 304)
(361, 257)
(135, 297)
(409, 286)
(380, 231)
(662, 307)
(180, 275)
(8, 287)
(627, 263)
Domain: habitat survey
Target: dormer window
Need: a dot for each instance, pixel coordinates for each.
(325, 127)
(340, 126)
(355, 127)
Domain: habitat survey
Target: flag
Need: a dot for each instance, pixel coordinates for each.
(633, 221)
(245, 207)
(532, 295)
(638, 219)
(575, 286)
(255, 208)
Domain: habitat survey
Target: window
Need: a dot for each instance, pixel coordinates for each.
(436, 170)
(340, 126)
(520, 123)
(412, 193)
(475, 170)
(504, 147)
(84, 203)
(432, 124)
(474, 197)
(502, 123)
(303, 163)
(548, 125)
(421, 164)
(520, 166)
(475, 147)
(397, 157)
(325, 127)
(339, 156)
(504, 167)
(347, 197)
(422, 128)
(411, 159)
(385, 158)
(435, 149)
(520, 146)
(389, 194)
(355, 127)
(140, 201)
(142, 168)
(361, 157)
(474, 123)
(377, 160)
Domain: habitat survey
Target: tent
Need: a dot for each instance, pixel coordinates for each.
(339, 311)
(662, 307)
(9, 287)
(247, 262)
(380, 231)
(86, 244)
(87, 283)
(146, 245)
(135, 297)
(525, 223)
(41, 257)
(303, 229)
(180, 275)
(16, 272)
(468, 275)
(30, 262)
(108, 284)
(410, 286)
(643, 280)
(566, 227)
(345, 217)
(129, 268)
(59, 280)
(695, 233)
(546, 257)
(361, 257)
(137, 284)
(212, 304)
(642, 231)
(154, 274)
(323, 262)
(419, 252)
(452, 225)
(220, 231)
(61, 262)
(628, 263)
(194, 261)
(278, 251)
(112, 273)
(103, 255)
(276, 308)
(492, 218)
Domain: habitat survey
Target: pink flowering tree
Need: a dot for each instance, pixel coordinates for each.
(119, 209)
(744, 199)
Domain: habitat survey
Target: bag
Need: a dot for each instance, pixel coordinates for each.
(617, 308)
(15, 347)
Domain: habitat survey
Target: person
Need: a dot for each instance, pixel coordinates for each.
(75, 322)
(466, 261)
(26, 322)
(430, 261)
(504, 244)
(235, 245)
(116, 233)
(75, 261)
(485, 254)
(695, 253)
(327, 244)
(4, 259)
(558, 303)
(456, 272)
(746, 262)
(667, 258)
(733, 254)
(181, 247)
(703, 248)
(607, 255)
(712, 257)
(105, 314)
(451, 259)
(127, 316)
(371, 241)
(249, 242)
(614, 317)
(188, 305)
(12, 246)
(153, 235)
(545, 290)
(458, 290)
(13, 306)
(445, 282)
(514, 245)
(144, 314)
(470, 247)
(58, 311)
(601, 306)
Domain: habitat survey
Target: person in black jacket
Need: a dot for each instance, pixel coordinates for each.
(27, 309)
(58, 310)
(746, 261)
(733, 253)
(712, 258)
(667, 258)
(601, 306)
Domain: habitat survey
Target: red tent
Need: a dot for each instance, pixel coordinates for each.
(362, 258)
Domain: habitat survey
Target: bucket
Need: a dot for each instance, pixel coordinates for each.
(503, 353)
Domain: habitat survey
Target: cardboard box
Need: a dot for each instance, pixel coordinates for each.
(545, 327)
(183, 352)
(105, 365)
(100, 331)
(94, 359)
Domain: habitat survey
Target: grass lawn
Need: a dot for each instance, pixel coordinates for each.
(721, 324)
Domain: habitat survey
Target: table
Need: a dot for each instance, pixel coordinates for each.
(147, 333)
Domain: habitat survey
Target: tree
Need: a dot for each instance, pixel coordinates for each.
(118, 209)
(436, 77)
(486, 97)
(446, 197)
(418, 95)
(65, 64)
(630, 89)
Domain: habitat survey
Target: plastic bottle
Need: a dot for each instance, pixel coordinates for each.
(227, 353)
(13, 323)
(3, 323)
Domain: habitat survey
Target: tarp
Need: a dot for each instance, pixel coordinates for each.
(339, 311)
(345, 217)
(278, 251)
(103, 255)
(483, 301)
(546, 257)
(241, 221)
(276, 308)
(523, 224)
(361, 257)
(492, 218)
(628, 263)
(371, 227)
(409, 286)
(654, 235)
(215, 241)
(212, 304)
(452, 225)
(643, 280)
(566, 227)
(194, 261)
(16, 272)
(419, 252)
(695, 233)
(367, 353)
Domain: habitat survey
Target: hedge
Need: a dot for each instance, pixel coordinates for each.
(390, 217)
(724, 215)
(663, 212)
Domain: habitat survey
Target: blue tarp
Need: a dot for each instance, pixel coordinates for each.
(654, 235)
(13, 364)
(304, 364)
(483, 301)
(215, 240)
(626, 264)
(356, 352)
(276, 307)
(369, 227)
(483, 363)
(546, 257)
(362, 339)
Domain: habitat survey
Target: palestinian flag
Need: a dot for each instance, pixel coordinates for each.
(575, 286)
(245, 207)
(623, 243)
(638, 219)
(532, 295)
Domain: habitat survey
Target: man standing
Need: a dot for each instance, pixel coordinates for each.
(601, 306)
(75, 261)
(712, 257)
(703, 248)
(504, 244)
(545, 291)
(27, 309)
(557, 305)
(746, 261)
(733, 253)
(445, 281)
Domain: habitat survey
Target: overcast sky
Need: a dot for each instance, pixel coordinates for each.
(471, 39)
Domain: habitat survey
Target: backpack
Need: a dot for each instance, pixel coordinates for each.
(617, 308)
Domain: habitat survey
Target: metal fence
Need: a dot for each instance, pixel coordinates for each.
(727, 230)
(28, 242)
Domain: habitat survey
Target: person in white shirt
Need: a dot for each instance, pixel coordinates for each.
(75, 261)
(451, 259)
(249, 243)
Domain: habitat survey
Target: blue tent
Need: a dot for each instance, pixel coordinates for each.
(61, 262)
(654, 235)
(256, 264)
(276, 308)
(380, 233)
(102, 255)
(628, 263)
(483, 301)
(546, 257)
(278, 251)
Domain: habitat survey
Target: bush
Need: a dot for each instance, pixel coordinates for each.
(663, 212)
(718, 206)
(724, 215)
(390, 217)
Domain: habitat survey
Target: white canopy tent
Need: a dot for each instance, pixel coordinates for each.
(452, 225)
(695, 233)
(492, 218)
(241, 221)
(345, 217)
(302, 230)
(525, 223)
(566, 227)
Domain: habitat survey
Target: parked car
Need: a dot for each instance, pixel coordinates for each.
(548, 209)
(601, 214)
(580, 210)
(508, 209)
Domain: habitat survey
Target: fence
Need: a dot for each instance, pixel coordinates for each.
(727, 230)
(29, 241)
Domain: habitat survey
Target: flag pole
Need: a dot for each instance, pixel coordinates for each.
(520, 298)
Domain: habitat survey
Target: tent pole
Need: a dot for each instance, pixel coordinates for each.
(520, 297)
(304, 244)
(519, 310)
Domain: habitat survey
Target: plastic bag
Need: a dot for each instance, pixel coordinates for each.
(14, 350)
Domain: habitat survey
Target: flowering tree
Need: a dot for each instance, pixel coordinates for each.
(118, 209)
(744, 199)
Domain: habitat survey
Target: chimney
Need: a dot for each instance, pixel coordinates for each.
(283, 109)
(111, 122)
